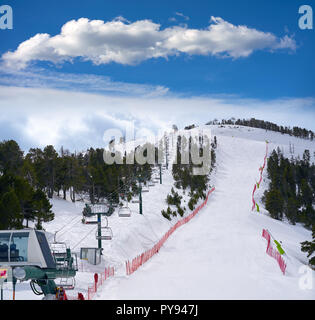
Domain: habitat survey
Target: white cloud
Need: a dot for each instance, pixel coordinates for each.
(130, 43)
(182, 15)
(37, 117)
(42, 78)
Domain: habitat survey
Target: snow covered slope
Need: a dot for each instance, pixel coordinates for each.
(220, 254)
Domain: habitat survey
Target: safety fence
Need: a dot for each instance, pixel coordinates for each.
(134, 264)
(99, 279)
(274, 253)
(261, 169)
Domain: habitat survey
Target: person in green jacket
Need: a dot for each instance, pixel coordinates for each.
(281, 251)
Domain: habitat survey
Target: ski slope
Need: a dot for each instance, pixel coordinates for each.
(220, 254)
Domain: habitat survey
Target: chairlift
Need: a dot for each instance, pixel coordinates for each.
(61, 254)
(135, 201)
(145, 189)
(25, 247)
(151, 184)
(32, 258)
(66, 283)
(89, 220)
(101, 208)
(106, 233)
(114, 204)
(124, 212)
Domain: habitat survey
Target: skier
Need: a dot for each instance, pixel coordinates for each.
(80, 296)
(61, 294)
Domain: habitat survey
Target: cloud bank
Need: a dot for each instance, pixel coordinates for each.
(123, 42)
(36, 117)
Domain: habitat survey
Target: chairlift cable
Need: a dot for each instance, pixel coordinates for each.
(75, 222)
(94, 229)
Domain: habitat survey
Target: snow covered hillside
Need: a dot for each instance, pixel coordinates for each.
(219, 254)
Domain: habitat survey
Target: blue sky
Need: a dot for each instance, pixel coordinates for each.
(250, 60)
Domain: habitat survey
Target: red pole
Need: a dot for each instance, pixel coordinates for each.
(95, 281)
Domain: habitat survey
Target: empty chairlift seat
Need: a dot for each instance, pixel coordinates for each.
(105, 233)
(124, 212)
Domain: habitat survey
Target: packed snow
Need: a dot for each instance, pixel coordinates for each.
(220, 254)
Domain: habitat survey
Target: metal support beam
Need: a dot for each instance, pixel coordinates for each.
(99, 230)
(140, 196)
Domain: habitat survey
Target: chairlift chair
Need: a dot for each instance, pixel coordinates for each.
(135, 201)
(59, 251)
(89, 220)
(124, 212)
(62, 255)
(66, 283)
(106, 233)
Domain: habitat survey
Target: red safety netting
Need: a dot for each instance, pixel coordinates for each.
(134, 264)
(99, 279)
(273, 252)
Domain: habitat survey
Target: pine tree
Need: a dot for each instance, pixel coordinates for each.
(292, 210)
(11, 157)
(42, 208)
(309, 247)
(10, 211)
(274, 203)
(49, 169)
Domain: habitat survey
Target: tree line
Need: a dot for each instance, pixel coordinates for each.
(27, 182)
(266, 125)
(291, 192)
(184, 178)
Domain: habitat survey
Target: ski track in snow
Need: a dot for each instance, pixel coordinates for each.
(220, 254)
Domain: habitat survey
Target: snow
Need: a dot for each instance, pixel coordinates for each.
(220, 254)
